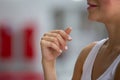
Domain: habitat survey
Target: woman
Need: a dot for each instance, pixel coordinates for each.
(99, 60)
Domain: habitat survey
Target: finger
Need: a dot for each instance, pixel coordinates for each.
(51, 34)
(57, 38)
(68, 30)
(62, 42)
(54, 37)
(52, 45)
(63, 34)
(51, 39)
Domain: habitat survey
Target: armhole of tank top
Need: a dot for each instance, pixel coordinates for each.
(94, 50)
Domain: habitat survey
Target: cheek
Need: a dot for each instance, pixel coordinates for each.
(105, 3)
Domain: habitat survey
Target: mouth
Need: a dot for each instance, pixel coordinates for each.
(92, 5)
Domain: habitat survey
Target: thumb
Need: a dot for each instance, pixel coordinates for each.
(68, 30)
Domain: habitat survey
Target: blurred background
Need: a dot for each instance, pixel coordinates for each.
(22, 24)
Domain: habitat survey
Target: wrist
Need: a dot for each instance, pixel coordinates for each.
(49, 69)
(48, 62)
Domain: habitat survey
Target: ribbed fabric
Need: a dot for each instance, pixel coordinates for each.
(88, 65)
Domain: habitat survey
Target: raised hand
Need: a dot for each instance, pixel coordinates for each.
(54, 42)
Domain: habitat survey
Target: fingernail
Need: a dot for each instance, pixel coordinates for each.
(69, 37)
(66, 47)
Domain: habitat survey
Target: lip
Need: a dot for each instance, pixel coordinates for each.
(92, 5)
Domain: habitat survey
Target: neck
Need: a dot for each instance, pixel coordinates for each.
(114, 34)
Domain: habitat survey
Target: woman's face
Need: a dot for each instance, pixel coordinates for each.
(104, 10)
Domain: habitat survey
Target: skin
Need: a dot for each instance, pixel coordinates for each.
(54, 42)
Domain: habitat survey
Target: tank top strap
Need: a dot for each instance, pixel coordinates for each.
(88, 64)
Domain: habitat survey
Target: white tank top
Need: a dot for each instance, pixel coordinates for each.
(88, 65)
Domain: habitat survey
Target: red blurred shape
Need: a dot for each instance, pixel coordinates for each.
(21, 76)
(6, 41)
(29, 40)
(32, 76)
(6, 76)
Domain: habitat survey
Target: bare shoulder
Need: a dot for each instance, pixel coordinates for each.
(80, 61)
(117, 73)
(88, 47)
(85, 51)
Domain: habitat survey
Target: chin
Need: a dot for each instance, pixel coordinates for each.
(94, 18)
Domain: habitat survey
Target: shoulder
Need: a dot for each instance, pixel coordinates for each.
(85, 51)
(117, 73)
(80, 61)
(88, 48)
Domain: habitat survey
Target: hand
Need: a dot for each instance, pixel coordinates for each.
(54, 42)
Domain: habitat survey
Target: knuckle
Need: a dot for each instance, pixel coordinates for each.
(63, 43)
(45, 34)
(55, 39)
(58, 35)
(51, 38)
(60, 31)
(42, 38)
(51, 44)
